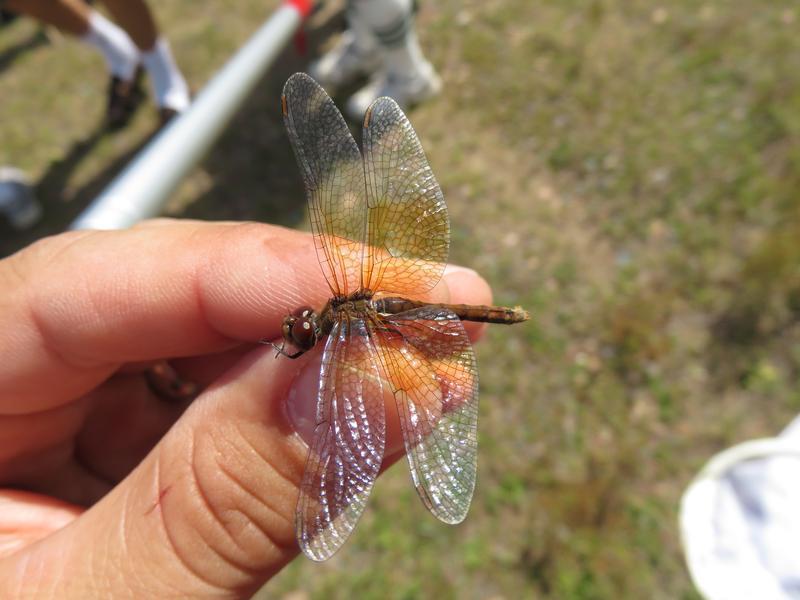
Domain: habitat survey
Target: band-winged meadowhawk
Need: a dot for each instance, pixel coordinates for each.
(382, 236)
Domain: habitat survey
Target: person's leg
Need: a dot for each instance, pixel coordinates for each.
(77, 18)
(169, 86)
(391, 22)
(355, 54)
(69, 16)
(134, 16)
(122, 57)
(406, 75)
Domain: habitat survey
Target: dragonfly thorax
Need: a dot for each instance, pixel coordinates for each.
(343, 308)
(350, 299)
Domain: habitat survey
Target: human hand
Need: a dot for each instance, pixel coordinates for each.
(107, 488)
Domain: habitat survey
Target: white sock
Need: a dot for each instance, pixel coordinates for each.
(120, 52)
(392, 25)
(364, 39)
(380, 14)
(406, 59)
(169, 86)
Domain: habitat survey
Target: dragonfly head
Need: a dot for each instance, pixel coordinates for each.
(300, 328)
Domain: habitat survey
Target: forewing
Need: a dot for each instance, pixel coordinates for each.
(431, 367)
(348, 444)
(408, 227)
(333, 173)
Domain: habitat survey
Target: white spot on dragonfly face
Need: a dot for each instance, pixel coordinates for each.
(306, 325)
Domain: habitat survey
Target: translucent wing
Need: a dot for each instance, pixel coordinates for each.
(348, 444)
(408, 227)
(430, 364)
(333, 173)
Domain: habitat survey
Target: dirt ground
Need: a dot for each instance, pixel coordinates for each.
(627, 170)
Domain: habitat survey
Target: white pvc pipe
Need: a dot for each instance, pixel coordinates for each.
(143, 188)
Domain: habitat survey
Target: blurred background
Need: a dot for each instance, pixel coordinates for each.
(627, 170)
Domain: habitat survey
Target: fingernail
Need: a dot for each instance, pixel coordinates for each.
(301, 401)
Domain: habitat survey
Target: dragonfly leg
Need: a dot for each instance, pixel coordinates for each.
(279, 350)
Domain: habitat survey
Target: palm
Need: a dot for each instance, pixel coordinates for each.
(77, 451)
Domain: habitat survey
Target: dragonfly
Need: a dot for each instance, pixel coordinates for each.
(382, 236)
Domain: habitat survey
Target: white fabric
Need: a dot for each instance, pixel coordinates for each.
(407, 59)
(359, 26)
(169, 86)
(345, 62)
(404, 59)
(740, 521)
(379, 14)
(121, 54)
(424, 84)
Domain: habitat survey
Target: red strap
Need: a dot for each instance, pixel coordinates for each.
(304, 7)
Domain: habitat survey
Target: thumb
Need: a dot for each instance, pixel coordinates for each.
(209, 512)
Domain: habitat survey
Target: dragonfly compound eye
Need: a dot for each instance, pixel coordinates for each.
(304, 332)
(286, 327)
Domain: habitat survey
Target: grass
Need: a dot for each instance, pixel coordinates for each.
(627, 170)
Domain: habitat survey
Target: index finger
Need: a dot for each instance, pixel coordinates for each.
(81, 304)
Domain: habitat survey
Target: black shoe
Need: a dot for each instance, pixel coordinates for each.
(124, 97)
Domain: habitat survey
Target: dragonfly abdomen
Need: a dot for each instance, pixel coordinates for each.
(489, 314)
(465, 312)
